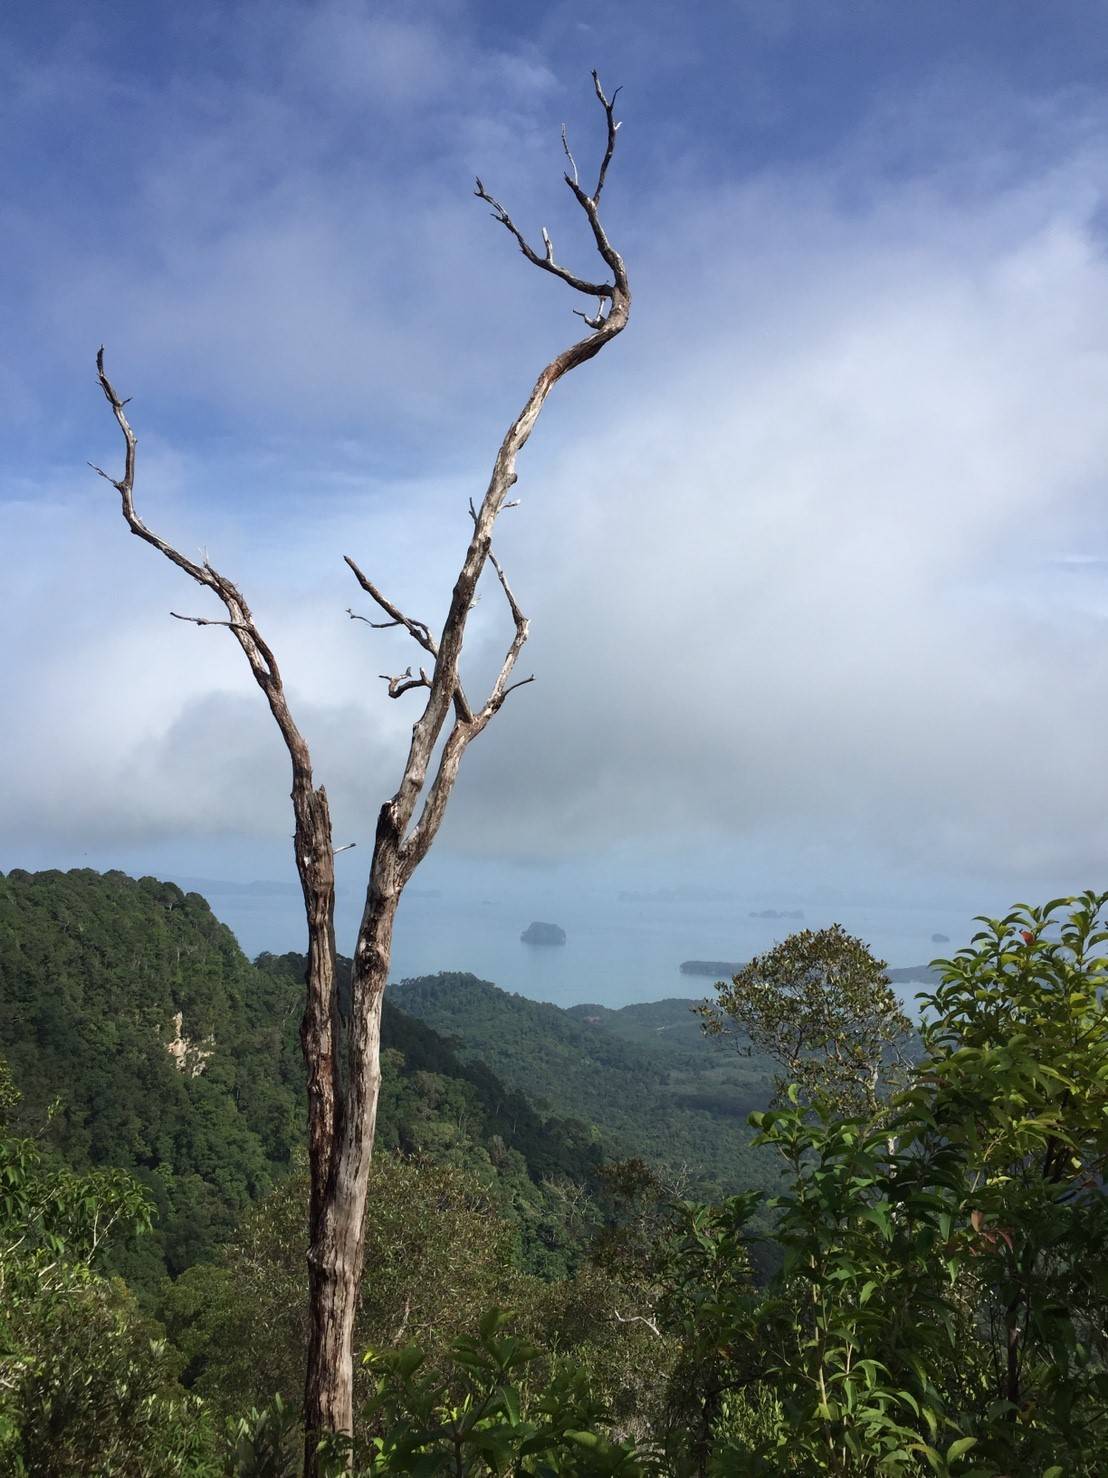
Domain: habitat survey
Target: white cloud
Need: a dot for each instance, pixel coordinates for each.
(794, 583)
(798, 548)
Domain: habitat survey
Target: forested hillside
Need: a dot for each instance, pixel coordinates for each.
(94, 971)
(702, 1072)
(141, 1042)
(930, 1298)
(99, 976)
(646, 1074)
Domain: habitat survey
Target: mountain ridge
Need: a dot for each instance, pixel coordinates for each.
(173, 1056)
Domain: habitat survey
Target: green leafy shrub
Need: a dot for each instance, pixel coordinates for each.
(943, 1298)
(484, 1416)
(87, 1385)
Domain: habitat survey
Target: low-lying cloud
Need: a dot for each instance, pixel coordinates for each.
(815, 549)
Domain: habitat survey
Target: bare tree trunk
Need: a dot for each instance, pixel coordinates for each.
(344, 1065)
(337, 1239)
(337, 1216)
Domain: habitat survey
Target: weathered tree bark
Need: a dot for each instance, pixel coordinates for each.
(343, 1060)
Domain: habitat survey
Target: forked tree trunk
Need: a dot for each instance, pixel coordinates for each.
(343, 1059)
(336, 1246)
(337, 1211)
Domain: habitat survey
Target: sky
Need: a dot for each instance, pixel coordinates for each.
(815, 553)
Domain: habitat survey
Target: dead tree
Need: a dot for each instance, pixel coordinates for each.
(343, 1058)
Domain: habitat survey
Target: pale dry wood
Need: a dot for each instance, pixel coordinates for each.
(417, 630)
(312, 837)
(343, 1057)
(405, 682)
(651, 1324)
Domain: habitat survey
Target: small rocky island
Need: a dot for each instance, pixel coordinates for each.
(778, 913)
(716, 968)
(537, 933)
(914, 975)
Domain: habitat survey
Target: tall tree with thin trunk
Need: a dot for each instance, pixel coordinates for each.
(342, 1057)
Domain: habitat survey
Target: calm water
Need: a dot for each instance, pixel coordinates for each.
(616, 952)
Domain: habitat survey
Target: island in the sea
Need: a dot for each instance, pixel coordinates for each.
(914, 974)
(726, 969)
(538, 933)
(778, 913)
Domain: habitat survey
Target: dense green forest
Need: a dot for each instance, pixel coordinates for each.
(94, 970)
(658, 1087)
(579, 1259)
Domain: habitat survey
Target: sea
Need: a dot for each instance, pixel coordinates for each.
(619, 949)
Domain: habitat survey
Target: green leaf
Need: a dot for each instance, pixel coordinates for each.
(583, 1439)
(492, 1320)
(962, 1445)
(510, 1397)
(879, 1216)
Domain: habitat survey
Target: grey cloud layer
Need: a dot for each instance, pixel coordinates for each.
(798, 551)
(807, 575)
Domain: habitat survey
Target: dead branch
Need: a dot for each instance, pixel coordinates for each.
(377, 625)
(427, 730)
(595, 322)
(313, 844)
(418, 630)
(517, 615)
(572, 163)
(405, 682)
(637, 1319)
(207, 621)
(613, 129)
(240, 621)
(502, 687)
(521, 684)
(546, 261)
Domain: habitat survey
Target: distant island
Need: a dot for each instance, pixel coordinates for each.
(725, 969)
(921, 973)
(778, 913)
(223, 887)
(940, 939)
(537, 933)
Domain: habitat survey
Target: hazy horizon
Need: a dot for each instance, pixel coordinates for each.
(814, 554)
(618, 951)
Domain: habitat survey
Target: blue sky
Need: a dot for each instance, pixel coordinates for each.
(814, 554)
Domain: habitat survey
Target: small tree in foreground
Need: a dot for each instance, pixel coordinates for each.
(822, 1007)
(87, 1383)
(942, 1305)
(488, 1413)
(343, 1057)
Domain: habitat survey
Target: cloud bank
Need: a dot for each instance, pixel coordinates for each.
(814, 552)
